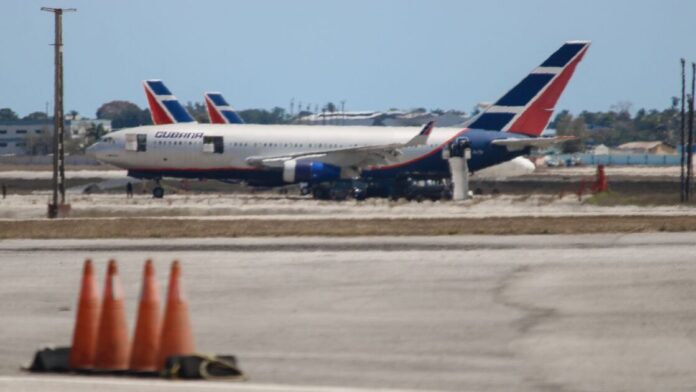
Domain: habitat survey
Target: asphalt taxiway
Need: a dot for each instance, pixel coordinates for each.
(601, 312)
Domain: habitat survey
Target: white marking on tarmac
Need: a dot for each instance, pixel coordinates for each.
(16, 383)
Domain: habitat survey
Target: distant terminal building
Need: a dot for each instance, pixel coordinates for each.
(395, 118)
(341, 118)
(23, 137)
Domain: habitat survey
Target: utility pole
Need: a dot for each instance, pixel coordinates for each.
(690, 143)
(683, 131)
(58, 128)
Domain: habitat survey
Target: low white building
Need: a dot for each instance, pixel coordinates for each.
(22, 137)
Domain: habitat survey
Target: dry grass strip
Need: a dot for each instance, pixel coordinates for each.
(200, 228)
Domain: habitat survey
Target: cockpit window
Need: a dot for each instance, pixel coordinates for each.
(107, 139)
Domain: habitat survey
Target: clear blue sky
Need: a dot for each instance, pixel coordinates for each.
(374, 54)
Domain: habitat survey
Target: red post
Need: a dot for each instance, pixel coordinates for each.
(601, 184)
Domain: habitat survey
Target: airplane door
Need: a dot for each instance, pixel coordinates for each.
(213, 144)
(136, 142)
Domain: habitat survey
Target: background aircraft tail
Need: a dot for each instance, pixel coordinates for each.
(219, 111)
(164, 107)
(527, 108)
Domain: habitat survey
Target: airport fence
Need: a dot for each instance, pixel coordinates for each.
(621, 159)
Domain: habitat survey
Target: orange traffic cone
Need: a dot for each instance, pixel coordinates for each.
(176, 337)
(147, 328)
(87, 321)
(112, 339)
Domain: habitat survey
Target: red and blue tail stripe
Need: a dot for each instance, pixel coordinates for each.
(527, 108)
(219, 111)
(165, 108)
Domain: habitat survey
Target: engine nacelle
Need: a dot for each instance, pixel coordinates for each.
(309, 171)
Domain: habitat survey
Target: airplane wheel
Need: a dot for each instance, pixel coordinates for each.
(158, 192)
(359, 194)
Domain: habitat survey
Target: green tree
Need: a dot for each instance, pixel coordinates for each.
(277, 115)
(198, 111)
(618, 126)
(35, 116)
(567, 125)
(8, 114)
(123, 114)
(94, 133)
(41, 144)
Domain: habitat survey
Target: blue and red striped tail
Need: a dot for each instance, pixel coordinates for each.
(219, 111)
(527, 108)
(164, 107)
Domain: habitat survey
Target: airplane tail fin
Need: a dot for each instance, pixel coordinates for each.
(219, 111)
(527, 108)
(165, 108)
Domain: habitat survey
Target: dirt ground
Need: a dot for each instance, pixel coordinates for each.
(202, 228)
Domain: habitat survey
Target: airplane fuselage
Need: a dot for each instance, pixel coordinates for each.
(186, 150)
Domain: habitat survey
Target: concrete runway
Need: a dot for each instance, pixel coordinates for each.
(517, 313)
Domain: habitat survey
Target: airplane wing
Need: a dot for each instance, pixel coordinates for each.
(353, 158)
(515, 144)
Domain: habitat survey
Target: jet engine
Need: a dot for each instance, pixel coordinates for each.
(309, 171)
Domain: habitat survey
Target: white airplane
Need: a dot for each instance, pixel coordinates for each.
(271, 155)
(165, 108)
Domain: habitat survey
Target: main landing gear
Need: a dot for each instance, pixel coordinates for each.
(157, 191)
